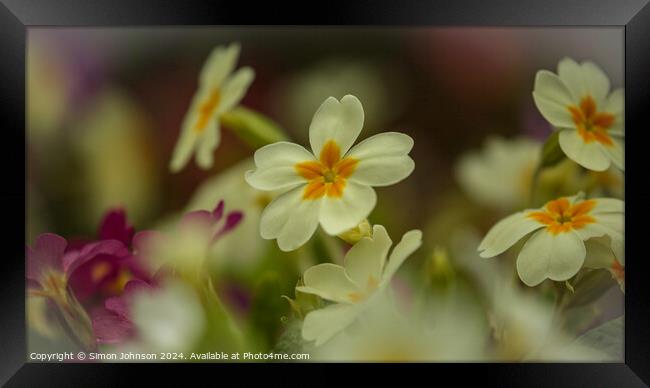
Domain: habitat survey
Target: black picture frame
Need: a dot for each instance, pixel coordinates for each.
(16, 16)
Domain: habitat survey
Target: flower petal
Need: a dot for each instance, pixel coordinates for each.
(321, 325)
(506, 233)
(111, 328)
(47, 251)
(552, 98)
(329, 281)
(608, 205)
(553, 256)
(290, 219)
(339, 121)
(596, 82)
(220, 63)
(599, 253)
(339, 214)
(184, 145)
(72, 260)
(115, 225)
(588, 155)
(382, 159)
(207, 144)
(365, 260)
(276, 166)
(410, 242)
(234, 89)
(606, 225)
(615, 151)
(614, 103)
(571, 74)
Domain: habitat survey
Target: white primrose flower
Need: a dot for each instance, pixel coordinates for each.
(557, 233)
(332, 185)
(170, 319)
(451, 331)
(500, 175)
(352, 287)
(219, 91)
(577, 101)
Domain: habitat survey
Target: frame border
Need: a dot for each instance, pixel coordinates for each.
(632, 15)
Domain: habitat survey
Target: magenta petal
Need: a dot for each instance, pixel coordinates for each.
(217, 213)
(46, 253)
(136, 285)
(232, 220)
(72, 260)
(120, 304)
(142, 240)
(89, 278)
(115, 226)
(111, 328)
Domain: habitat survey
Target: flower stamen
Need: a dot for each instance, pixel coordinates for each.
(206, 110)
(328, 175)
(591, 124)
(560, 216)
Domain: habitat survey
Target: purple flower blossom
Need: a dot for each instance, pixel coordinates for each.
(49, 266)
(106, 275)
(212, 220)
(112, 323)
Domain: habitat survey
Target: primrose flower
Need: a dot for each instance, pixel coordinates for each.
(601, 255)
(332, 185)
(500, 175)
(113, 323)
(577, 101)
(106, 274)
(49, 267)
(219, 91)
(243, 246)
(169, 319)
(558, 231)
(437, 332)
(365, 274)
(186, 249)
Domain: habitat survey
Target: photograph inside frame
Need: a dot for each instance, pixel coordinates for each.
(293, 194)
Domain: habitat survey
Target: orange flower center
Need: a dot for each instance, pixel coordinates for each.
(372, 285)
(328, 175)
(560, 216)
(591, 124)
(206, 111)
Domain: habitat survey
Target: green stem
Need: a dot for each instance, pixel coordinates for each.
(533, 186)
(219, 310)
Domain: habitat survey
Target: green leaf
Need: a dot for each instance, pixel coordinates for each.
(606, 338)
(253, 127)
(551, 152)
(291, 342)
(303, 303)
(590, 286)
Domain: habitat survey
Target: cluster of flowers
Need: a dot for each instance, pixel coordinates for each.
(113, 290)
(92, 286)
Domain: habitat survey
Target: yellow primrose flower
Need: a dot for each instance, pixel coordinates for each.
(558, 231)
(577, 101)
(219, 91)
(333, 185)
(352, 287)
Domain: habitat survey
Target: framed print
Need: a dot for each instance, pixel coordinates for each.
(440, 188)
